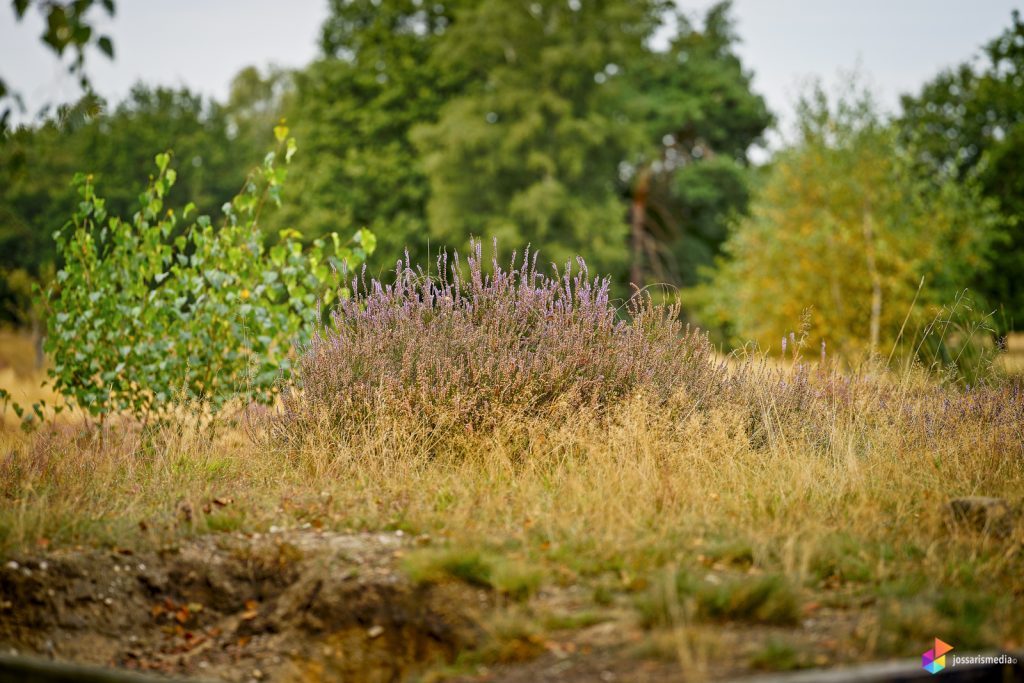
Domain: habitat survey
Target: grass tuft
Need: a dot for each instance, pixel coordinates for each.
(763, 599)
(510, 577)
(779, 655)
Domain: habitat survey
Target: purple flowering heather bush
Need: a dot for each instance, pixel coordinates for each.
(463, 348)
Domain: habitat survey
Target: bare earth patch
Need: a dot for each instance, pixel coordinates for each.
(306, 605)
(290, 606)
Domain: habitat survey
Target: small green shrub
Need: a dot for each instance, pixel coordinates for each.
(518, 580)
(967, 617)
(151, 308)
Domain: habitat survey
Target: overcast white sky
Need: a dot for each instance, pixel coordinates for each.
(896, 44)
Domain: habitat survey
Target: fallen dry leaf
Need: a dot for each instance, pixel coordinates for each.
(251, 610)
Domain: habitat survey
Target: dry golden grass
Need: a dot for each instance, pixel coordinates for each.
(582, 500)
(19, 375)
(17, 354)
(1013, 360)
(853, 519)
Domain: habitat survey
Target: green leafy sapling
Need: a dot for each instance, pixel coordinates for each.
(165, 305)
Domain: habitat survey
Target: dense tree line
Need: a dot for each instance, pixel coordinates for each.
(551, 123)
(618, 129)
(536, 123)
(117, 146)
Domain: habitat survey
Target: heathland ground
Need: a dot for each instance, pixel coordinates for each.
(798, 522)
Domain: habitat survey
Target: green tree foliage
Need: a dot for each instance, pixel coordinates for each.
(529, 122)
(255, 104)
(531, 151)
(37, 164)
(699, 119)
(69, 26)
(968, 122)
(119, 146)
(570, 112)
(431, 122)
(846, 225)
(353, 110)
(161, 305)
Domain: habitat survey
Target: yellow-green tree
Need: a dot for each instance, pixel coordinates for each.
(843, 225)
